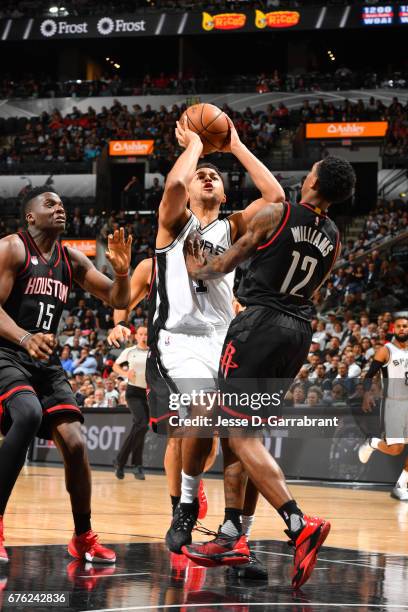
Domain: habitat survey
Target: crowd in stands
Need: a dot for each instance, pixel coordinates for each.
(43, 86)
(81, 136)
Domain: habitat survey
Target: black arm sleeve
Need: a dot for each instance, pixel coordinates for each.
(372, 371)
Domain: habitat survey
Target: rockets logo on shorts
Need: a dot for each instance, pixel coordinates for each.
(227, 362)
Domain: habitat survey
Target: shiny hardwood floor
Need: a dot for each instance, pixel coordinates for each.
(132, 511)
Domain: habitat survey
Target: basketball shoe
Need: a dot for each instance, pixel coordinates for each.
(253, 570)
(400, 493)
(307, 543)
(365, 451)
(202, 502)
(3, 553)
(87, 547)
(184, 519)
(223, 550)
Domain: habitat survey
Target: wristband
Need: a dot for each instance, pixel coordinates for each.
(27, 335)
(122, 275)
(124, 324)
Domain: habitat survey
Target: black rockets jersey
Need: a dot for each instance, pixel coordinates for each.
(40, 290)
(285, 271)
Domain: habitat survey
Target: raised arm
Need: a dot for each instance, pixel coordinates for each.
(173, 206)
(139, 288)
(270, 189)
(259, 230)
(116, 292)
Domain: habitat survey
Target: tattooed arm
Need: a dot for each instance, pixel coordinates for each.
(259, 230)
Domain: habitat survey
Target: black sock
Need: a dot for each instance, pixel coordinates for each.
(82, 522)
(293, 516)
(234, 516)
(175, 499)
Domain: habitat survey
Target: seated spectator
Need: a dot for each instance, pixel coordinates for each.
(86, 364)
(100, 400)
(66, 360)
(314, 397)
(77, 339)
(111, 394)
(69, 327)
(339, 394)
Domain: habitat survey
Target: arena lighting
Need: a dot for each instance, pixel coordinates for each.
(117, 65)
(53, 9)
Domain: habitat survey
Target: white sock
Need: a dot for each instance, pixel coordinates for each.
(247, 522)
(403, 479)
(189, 488)
(229, 529)
(374, 442)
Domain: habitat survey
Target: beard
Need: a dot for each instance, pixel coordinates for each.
(401, 338)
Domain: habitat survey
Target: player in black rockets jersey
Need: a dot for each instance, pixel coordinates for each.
(36, 274)
(292, 250)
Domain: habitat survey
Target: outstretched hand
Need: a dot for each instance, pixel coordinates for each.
(119, 334)
(119, 251)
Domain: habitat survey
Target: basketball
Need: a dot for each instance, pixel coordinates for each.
(210, 123)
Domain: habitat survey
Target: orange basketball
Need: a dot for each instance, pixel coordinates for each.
(210, 123)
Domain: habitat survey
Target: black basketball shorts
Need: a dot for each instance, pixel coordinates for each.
(20, 373)
(159, 388)
(263, 351)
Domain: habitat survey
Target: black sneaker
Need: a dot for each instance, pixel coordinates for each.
(184, 519)
(119, 471)
(254, 570)
(139, 473)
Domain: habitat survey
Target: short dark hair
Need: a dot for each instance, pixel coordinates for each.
(212, 167)
(400, 317)
(337, 179)
(30, 195)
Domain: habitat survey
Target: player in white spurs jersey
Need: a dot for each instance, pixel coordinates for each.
(142, 286)
(189, 320)
(392, 360)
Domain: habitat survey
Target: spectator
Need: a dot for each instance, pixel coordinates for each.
(314, 397)
(66, 360)
(111, 394)
(86, 363)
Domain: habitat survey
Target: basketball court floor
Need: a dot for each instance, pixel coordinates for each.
(363, 567)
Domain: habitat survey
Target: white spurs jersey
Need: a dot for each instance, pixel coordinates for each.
(186, 306)
(395, 371)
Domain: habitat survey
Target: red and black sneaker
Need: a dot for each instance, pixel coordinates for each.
(223, 550)
(202, 502)
(3, 553)
(307, 544)
(87, 547)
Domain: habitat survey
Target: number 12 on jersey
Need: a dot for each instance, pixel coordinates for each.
(308, 265)
(44, 320)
